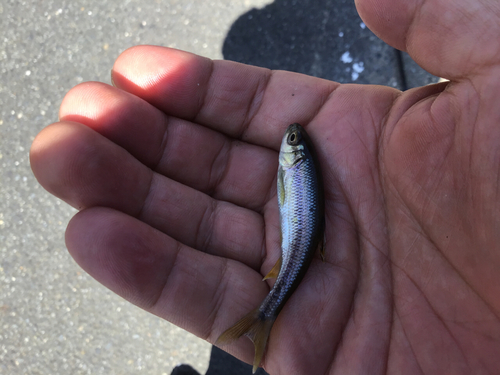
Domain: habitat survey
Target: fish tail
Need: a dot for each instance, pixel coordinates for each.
(256, 327)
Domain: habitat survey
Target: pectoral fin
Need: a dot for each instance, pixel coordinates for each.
(281, 187)
(274, 271)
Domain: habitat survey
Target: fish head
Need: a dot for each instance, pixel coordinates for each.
(293, 146)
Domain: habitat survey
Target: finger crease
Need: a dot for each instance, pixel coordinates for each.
(215, 178)
(324, 98)
(163, 144)
(154, 302)
(255, 103)
(218, 299)
(203, 98)
(149, 193)
(206, 225)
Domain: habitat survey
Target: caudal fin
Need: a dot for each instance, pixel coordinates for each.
(256, 327)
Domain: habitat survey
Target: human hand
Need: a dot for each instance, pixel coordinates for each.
(174, 173)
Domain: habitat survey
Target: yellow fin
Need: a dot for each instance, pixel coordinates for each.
(275, 270)
(256, 327)
(281, 187)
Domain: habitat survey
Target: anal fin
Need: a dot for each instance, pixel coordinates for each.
(275, 270)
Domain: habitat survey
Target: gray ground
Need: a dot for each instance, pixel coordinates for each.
(55, 319)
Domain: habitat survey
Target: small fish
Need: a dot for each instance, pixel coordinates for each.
(302, 221)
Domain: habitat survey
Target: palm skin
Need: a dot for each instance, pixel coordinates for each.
(174, 173)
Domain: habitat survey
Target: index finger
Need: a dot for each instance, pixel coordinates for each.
(245, 102)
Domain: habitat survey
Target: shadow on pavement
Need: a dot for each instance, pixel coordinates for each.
(221, 363)
(322, 38)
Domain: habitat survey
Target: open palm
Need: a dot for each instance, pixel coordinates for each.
(174, 171)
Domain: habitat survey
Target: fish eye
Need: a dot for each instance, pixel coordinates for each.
(293, 138)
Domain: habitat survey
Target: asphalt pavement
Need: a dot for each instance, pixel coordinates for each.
(54, 318)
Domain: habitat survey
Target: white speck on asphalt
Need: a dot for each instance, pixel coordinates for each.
(346, 58)
(357, 69)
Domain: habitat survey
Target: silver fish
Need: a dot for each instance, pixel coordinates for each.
(301, 207)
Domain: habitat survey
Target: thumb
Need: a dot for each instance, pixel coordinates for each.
(451, 39)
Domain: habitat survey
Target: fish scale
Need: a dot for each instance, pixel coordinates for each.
(301, 208)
